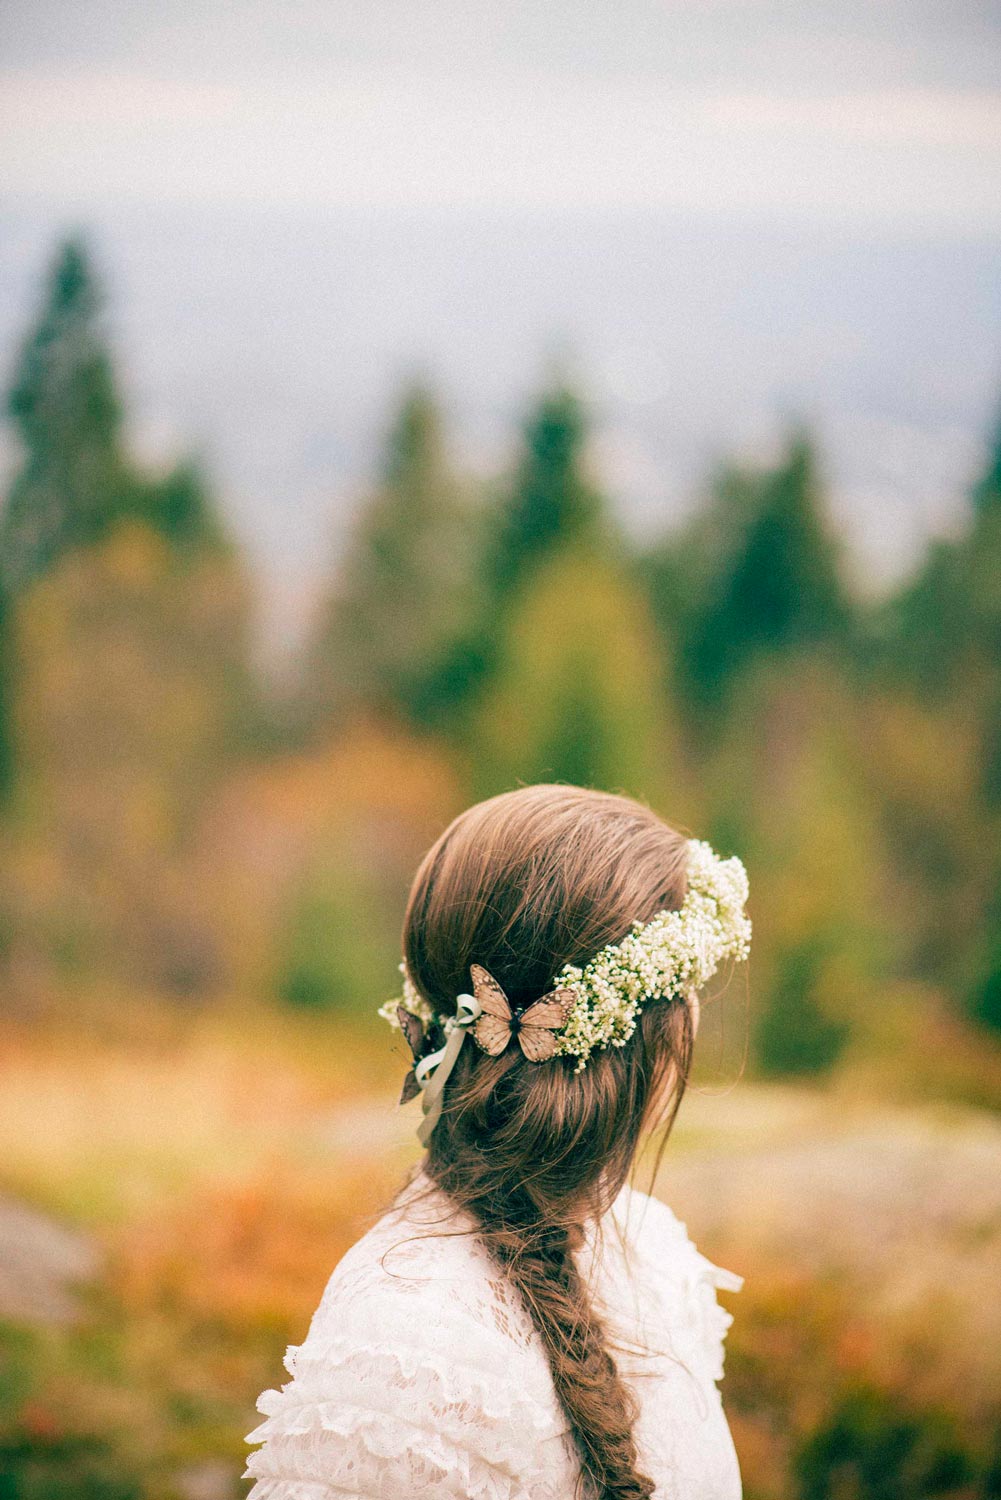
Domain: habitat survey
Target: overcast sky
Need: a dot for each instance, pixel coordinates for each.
(878, 111)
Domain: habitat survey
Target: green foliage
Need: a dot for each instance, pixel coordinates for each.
(551, 504)
(335, 950)
(397, 634)
(794, 1036)
(985, 1000)
(871, 1448)
(758, 575)
(40, 1466)
(74, 481)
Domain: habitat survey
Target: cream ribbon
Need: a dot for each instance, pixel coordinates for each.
(432, 1072)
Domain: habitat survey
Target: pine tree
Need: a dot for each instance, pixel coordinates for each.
(74, 480)
(785, 588)
(397, 633)
(777, 587)
(551, 503)
(77, 482)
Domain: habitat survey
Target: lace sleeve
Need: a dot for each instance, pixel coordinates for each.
(401, 1392)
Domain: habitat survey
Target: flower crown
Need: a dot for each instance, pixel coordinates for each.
(596, 1006)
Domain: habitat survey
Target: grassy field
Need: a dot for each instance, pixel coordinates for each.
(190, 1185)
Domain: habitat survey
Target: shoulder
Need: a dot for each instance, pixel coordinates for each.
(659, 1253)
(655, 1232)
(416, 1375)
(422, 1275)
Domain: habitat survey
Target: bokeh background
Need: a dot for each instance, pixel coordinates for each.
(405, 402)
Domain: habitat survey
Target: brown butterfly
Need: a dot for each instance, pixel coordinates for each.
(534, 1027)
(414, 1032)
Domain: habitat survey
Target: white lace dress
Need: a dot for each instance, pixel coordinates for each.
(422, 1375)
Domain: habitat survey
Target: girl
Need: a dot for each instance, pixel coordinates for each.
(522, 1324)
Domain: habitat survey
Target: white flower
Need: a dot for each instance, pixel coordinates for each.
(675, 951)
(411, 1000)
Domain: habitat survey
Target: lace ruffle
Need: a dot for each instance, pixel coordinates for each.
(450, 1395)
(369, 1452)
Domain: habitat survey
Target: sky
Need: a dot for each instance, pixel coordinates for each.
(731, 211)
(887, 113)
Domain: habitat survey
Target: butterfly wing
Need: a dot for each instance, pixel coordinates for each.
(412, 1029)
(492, 1029)
(489, 993)
(411, 1088)
(540, 1021)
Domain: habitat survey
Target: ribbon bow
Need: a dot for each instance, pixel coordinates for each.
(431, 1073)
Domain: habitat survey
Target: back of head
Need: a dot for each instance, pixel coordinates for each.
(523, 884)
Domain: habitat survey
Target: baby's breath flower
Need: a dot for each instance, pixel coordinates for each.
(411, 1000)
(674, 952)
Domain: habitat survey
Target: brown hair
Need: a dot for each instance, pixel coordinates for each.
(523, 884)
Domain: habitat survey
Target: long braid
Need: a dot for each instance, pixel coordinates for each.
(539, 1261)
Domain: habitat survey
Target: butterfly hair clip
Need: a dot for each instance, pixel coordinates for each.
(535, 1027)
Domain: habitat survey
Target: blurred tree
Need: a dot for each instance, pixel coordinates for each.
(575, 696)
(783, 786)
(938, 652)
(551, 503)
(756, 575)
(794, 1036)
(74, 479)
(130, 696)
(397, 633)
